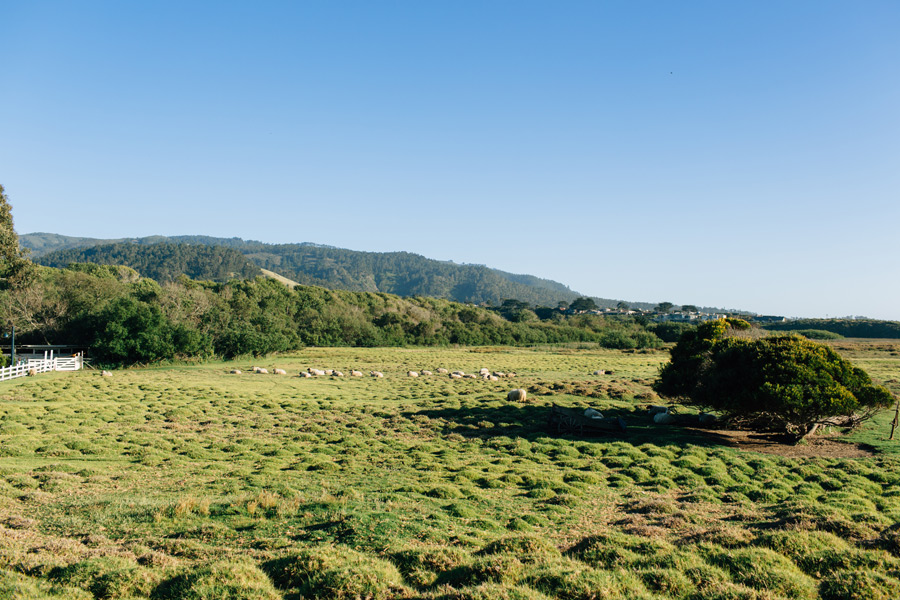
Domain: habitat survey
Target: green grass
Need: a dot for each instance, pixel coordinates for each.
(189, 482)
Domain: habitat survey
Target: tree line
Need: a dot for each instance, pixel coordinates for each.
(124, 318)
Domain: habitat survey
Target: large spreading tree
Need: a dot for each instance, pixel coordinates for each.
(781, 382)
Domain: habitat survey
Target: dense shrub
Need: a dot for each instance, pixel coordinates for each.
(786, 382)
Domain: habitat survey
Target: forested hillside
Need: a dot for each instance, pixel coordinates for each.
(401, 273)
(125, 319)
(163, 262)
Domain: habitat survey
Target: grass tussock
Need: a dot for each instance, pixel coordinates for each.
(188, 482)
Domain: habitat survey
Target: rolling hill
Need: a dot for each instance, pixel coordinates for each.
(400, 273)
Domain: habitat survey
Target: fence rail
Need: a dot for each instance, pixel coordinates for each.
(40, 365)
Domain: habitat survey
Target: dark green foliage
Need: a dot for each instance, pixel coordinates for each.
(15, 269)
(818, 334)
(670, 331)
(789, 382)
(129, 330)
(400, 273)
(125, 319)
(858, 328)
(162, 262)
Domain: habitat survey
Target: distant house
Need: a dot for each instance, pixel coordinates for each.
(769, 319)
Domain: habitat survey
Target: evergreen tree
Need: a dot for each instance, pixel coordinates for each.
(15, 268)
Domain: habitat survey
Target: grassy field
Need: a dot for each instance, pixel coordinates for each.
(191, 482)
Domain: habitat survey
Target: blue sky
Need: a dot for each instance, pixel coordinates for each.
(734, 154)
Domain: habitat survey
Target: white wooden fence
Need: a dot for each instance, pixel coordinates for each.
(41, 365)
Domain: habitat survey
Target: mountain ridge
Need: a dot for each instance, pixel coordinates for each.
(402, 273)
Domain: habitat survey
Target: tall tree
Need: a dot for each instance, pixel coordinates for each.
(664, 307)
(15, 268)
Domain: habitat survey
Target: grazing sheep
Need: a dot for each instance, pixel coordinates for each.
(304, 374)
(105, 374)
(254, 369)
(493, 378)
(484, 371)
(328, 372)
(262, 371)
(510, 374)
(455, 376)
(592, 413)
(517, 395)
(708, 419)
(337, 374)
(460, 373)
(315, 371)
(655, 410)
(426, 373)
(600, 372)
(663, 418)
(470, 376)
(443, 371)
(377, 374)
(356, 373)
(235, 371)
(412, 374)
(32, 372)
(280, 372)
(499, 374)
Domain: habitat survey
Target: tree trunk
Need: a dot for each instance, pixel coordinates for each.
(811, 430)
(894, 423)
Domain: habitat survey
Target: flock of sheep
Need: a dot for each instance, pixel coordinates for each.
(485, 374)
(516, 395)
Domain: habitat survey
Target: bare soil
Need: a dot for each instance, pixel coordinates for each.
(768, 443)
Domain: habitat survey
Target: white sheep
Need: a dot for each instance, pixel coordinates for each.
(460, 373)
(328, 372)
(484, 371)
(304, 374)
(707, 419)
(262, 371)
(443, 371)
(600, 372)
(455, 376)
(412, 374)
(377, 374)
(517, 395)
(105, 374)
(280, 372)
(663, 418)
(426, 373)
(356, 373)
(235, 371)
(337, 374)
(592, 413)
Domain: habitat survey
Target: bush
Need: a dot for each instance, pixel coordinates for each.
(786, 382)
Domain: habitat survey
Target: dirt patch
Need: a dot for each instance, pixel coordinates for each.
(768, 443)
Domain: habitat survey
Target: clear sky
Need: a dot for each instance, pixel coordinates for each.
(734, 154)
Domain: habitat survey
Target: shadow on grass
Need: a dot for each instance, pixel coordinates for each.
(534, 420)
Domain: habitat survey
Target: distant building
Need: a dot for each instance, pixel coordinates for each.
(768, 319)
